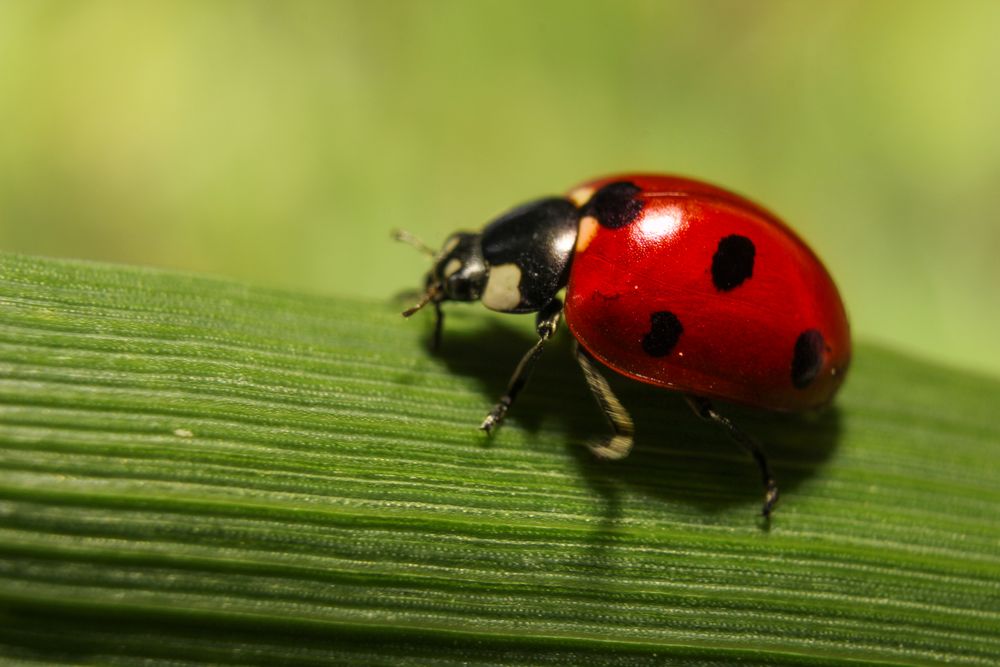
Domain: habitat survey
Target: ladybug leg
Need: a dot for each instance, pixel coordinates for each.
(438, 325)
(546, 324)
(704, 409)
(620, 444)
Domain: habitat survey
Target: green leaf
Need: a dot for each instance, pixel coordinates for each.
(197, 471)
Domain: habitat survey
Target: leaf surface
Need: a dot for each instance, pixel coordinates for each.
(196, 471)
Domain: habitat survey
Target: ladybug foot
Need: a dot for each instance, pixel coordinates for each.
(613, 449)
(495, 416)
(770, 498)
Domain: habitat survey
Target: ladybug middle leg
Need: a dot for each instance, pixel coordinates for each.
(546, 323)
(704, 409)
(620, 444)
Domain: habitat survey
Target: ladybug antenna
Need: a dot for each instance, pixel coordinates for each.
(430, 295)
(411, 240)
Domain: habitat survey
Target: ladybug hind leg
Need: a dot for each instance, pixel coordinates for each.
(546, 324)
(704, 409)
(620, 444)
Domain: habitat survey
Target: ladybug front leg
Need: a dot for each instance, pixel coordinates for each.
(620, 444)
(704, 409)
(546, 324)
(438, 326)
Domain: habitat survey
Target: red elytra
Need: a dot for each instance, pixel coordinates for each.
(644, 300)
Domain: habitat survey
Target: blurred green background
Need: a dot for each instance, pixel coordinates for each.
(279, 142)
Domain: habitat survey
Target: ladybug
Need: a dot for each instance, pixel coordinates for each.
(669, 281)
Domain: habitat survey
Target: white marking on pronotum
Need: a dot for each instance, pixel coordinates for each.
(503, 287)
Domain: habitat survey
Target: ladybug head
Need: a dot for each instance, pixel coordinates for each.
(459, 272)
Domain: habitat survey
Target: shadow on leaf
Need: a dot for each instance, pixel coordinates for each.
(678, 458)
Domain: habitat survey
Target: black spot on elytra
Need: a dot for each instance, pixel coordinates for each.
(732, 262)
(615, 205)
(807, 359)
(665, 331)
